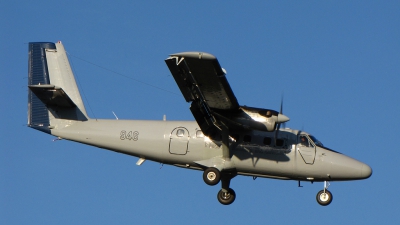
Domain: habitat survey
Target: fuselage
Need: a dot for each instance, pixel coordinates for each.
(254, 153)
(237, 140)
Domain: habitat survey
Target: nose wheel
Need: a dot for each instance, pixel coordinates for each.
(324, 197)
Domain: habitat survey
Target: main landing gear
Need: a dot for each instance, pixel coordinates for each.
(226, 198)
(224, 173)
(324, 197)
(212, 176)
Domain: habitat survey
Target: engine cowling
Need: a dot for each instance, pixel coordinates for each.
(261, 119)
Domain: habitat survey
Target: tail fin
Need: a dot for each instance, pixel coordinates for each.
(54, 100)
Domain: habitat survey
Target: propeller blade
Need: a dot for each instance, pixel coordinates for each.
(281, 119)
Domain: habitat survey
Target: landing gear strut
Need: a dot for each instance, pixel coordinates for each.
(224, 170)
(226, 195)
(324, 197)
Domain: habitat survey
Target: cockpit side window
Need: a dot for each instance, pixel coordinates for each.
(303, 140)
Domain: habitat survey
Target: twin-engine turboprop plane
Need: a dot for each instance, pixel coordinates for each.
(225, 140)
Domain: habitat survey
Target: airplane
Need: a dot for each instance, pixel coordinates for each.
(225, 140)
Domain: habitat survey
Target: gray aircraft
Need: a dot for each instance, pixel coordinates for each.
(225, 140)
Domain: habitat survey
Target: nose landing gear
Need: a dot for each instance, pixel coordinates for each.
(324, 197)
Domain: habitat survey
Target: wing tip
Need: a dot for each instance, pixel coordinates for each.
(196, 55)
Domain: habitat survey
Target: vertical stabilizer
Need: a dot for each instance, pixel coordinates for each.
(54, 100)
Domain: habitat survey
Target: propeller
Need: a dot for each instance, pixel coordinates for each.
(282, 119)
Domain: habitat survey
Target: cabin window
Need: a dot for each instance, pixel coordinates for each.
(199, 134)
(180, 133)
(267, 141)
(279, 142)
(247, 138)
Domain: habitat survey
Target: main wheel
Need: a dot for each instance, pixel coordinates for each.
(324, 198)
(211, 176)
(226, 198)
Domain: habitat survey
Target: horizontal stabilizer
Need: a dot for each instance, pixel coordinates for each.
(52, 95)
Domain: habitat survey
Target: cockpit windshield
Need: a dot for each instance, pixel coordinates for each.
(317, 143)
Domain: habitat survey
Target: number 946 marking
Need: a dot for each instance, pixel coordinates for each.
(129, 135)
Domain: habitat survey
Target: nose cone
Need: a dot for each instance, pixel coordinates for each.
(347, 168)
(366, 171)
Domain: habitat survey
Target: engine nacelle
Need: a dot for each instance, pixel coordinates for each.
(251, 118)
(261, 119)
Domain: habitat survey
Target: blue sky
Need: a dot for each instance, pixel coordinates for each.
(336, 62)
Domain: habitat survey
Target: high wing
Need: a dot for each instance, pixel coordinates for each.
(202, 81)
(199, 76)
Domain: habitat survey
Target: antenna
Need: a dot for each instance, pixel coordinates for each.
(115, 115)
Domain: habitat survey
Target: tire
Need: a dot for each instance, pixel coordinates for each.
(324, 198)
(226, 198)
(211, 176)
